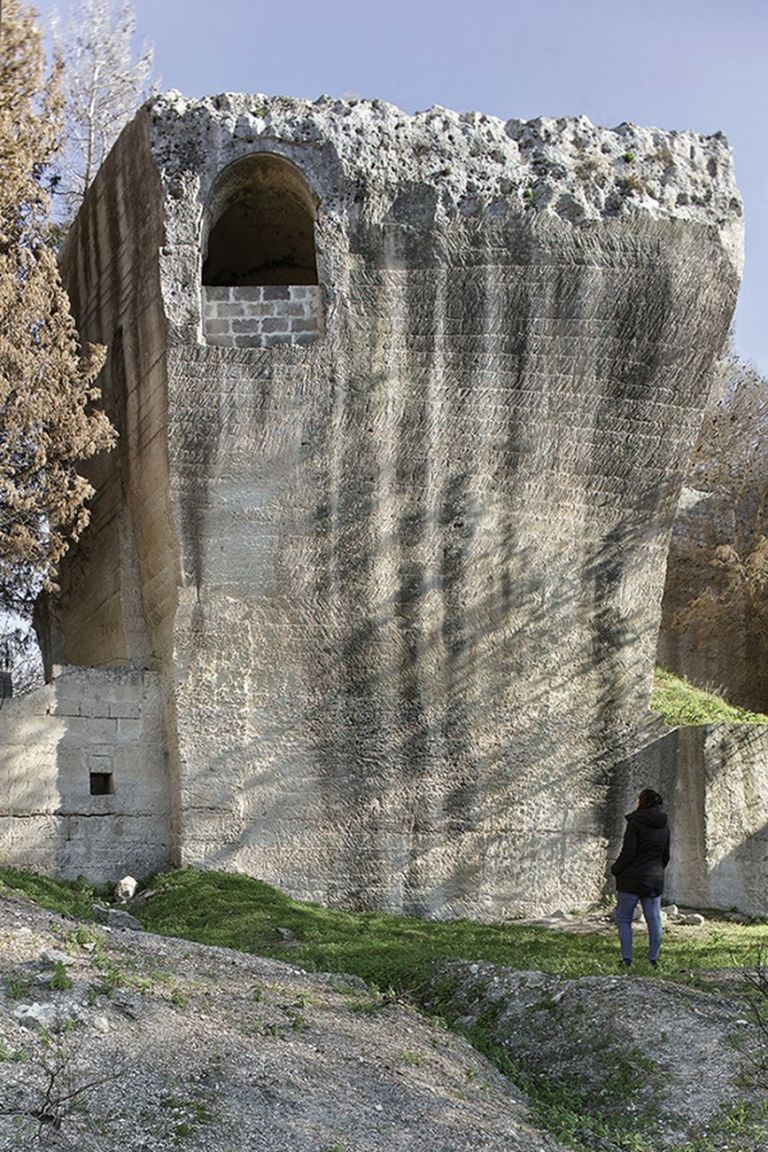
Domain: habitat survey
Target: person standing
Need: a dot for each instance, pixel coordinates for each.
(639, 871)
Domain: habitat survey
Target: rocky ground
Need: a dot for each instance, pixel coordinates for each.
(659, 1059)
(201, 1048)
(113, 1039)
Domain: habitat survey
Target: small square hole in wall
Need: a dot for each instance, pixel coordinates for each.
(102, 783)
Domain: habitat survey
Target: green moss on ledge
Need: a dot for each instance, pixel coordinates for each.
(682, 703)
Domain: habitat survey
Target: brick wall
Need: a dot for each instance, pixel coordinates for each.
(260, 317)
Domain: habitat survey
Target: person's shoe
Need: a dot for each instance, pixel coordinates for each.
(626, 963)
(653, 963)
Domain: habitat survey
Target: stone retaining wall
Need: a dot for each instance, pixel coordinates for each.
(714, 779)
(260, 317)
(87, 722)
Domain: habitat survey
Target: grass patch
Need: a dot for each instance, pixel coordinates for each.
(397, 953)
(682, 703)
(738, 1128)
(400, 953)
(73, 898)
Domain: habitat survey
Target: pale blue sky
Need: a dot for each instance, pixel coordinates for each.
(700, 64)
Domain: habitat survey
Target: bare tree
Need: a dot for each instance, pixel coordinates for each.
(60, 1078)
(21, 664)
(103, 83)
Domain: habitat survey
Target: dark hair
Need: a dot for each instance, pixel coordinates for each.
(649, 799)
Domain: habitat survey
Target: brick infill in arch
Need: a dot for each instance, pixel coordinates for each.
(262, 316)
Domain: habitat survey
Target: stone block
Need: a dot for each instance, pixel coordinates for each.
(248, 293)
(249, 327)
(126, 710)
(276, 324)
(259, 311)
(66, 707)
(84, 730)
(99, 763)
(129, 730)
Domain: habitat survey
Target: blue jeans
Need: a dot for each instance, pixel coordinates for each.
(627, 902)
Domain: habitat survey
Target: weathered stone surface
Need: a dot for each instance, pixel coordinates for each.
(51, 743)
(198, 1061)
(38, 1015)
(54, 956)
(402, 580)
(714, 779)
(573, 1033)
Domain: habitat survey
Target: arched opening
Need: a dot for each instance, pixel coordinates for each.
(261, 227)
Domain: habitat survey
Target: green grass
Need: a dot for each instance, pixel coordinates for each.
(389, 951)
(74, 898)
(682, 703)
(399, 952)
(740, 1127)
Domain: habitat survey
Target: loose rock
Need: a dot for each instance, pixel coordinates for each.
(125, 889)
(115, 918)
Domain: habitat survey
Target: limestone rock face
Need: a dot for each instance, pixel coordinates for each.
(401, 568)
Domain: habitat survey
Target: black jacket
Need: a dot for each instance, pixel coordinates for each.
(644, 854)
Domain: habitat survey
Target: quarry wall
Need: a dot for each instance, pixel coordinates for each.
(738, 669)
(401, 581)
(714, 779)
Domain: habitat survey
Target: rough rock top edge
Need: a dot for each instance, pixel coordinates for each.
(480, 165)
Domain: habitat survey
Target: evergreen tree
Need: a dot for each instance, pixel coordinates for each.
(48, 422)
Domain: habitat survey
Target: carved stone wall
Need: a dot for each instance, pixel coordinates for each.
(402, 583)
(86, 724)
(725, 647)
(714, 778)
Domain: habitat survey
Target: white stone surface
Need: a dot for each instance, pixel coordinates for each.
(125, 889)
(715, 782)
(50, 742)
